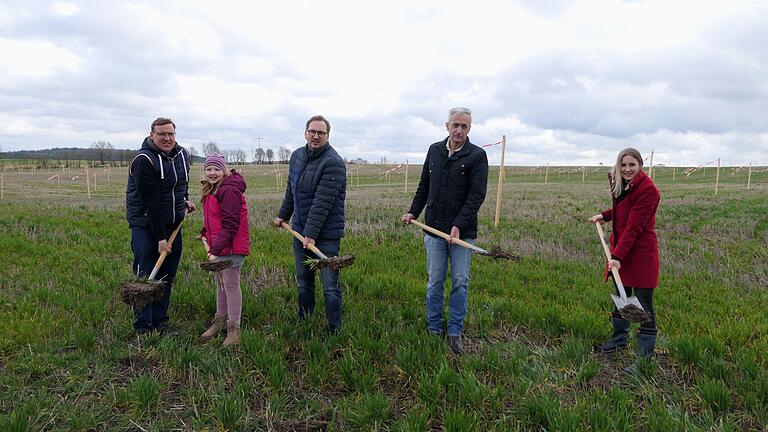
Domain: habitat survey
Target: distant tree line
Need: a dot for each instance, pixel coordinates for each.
(259, 155)
(103, 153)
(74, 156)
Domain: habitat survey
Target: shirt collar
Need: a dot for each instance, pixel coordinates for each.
(448, 146)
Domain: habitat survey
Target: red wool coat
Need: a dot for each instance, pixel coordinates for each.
(633, 240)
(225, 218)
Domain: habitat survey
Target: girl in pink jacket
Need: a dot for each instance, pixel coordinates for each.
(225, 228)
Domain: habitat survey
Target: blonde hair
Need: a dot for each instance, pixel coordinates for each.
(206, 188)
(616, 181)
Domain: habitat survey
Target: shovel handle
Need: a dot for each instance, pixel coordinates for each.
(206, 245)
(165, 252)
(300, 237)
(458, 241)
(616, 277)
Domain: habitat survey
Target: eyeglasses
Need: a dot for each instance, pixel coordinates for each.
(318, 133)
(165, 134)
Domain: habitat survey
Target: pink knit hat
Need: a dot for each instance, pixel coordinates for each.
(216, 160)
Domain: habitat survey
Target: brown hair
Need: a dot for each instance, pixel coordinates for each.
(616, 183)
(318, 118)
(206, 188)
(161, 121)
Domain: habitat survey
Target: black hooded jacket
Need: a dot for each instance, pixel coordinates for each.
(157, 189)
(452, 188)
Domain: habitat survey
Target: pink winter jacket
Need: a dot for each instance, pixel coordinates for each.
(225, 218)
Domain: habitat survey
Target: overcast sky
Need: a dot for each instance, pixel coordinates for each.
(568, 82)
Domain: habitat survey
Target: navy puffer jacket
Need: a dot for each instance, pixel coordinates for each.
(315, 193)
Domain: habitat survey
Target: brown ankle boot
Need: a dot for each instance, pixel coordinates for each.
(233, 333)
(218, 324)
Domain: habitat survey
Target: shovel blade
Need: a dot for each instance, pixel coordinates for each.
(619, 302)
(634, 301)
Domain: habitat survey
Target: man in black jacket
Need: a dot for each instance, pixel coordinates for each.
(156, 201)
(452, 188)
(314, 201)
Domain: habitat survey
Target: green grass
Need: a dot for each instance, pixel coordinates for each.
(70, 361)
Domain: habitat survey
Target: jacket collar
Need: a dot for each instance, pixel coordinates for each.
(639, 179)
(464, 149)
(149, 145)
(313, 154)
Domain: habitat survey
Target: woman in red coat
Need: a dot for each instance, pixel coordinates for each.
(225, 228)
(634, 246)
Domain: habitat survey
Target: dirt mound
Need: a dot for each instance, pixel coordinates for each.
(634, 314)
(333, 263)
(496, 252)
(140, 293)
(214, 266)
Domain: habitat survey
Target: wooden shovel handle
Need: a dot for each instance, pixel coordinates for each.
(616, 277)
(300, 237)
(458, 241)
(165, 252)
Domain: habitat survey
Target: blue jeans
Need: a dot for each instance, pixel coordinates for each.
(145, 255)
(305, 278)
(438, 255)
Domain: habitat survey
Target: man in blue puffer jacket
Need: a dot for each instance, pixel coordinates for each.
(314, 201)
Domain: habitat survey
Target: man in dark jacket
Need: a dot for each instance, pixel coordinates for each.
(156, 202)
(314, 201)
(452, 188)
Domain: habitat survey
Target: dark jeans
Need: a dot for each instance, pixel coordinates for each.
(645, 296)
(305, 278)
(145, 255)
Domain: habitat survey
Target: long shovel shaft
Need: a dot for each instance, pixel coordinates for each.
(458, 241)
(616, 277)
(165, 252)
(300, 237)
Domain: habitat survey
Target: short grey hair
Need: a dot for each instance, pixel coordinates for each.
(459, 110)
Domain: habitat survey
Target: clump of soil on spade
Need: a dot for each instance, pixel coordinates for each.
(334, 263)
(141, 292)
(214, 266)
(634, 314)
(496, 252)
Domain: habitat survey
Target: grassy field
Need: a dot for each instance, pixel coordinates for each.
(69, 359)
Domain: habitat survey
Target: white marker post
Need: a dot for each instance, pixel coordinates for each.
(546, 173)
(87, 181)
(717, 176)
(501, 181)
(405, 187)
(749, 175)
(650, 168)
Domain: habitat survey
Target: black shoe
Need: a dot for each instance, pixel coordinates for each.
(454, 342)
(619, 339)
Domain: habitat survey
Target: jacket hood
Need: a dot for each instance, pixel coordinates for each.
(234, 180)
(149, 145)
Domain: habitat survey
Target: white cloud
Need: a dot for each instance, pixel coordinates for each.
(64, 8)
(566, 81)
(35, 59)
